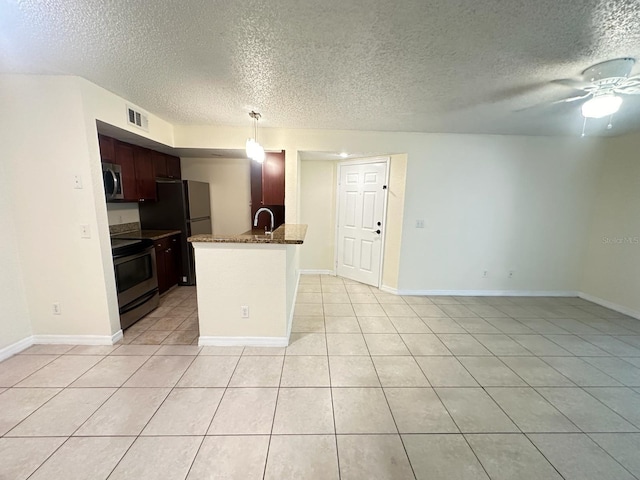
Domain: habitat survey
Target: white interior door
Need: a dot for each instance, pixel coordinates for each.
(361, 204)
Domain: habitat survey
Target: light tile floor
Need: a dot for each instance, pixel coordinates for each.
(174, 322)
(372, 386)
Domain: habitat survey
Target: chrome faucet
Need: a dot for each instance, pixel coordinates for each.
(255, 219)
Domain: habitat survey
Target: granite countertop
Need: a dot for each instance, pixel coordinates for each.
(150, 234)
(287, 233)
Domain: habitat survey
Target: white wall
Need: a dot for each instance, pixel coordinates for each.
(51, 123)
(14, 316)
(397, 184)
(490, 202)
(317, 210)
(46, 149)
(612, 262)
(119, 213)
(230, 189)
(498, 203)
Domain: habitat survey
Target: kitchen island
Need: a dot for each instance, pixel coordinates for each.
(247, 286)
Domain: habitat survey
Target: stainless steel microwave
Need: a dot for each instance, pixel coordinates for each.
(112, 178)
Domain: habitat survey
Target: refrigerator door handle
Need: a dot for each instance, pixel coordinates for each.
(199, 219)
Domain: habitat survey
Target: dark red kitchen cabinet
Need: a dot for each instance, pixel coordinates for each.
(145, 175)
(107, 149)
(159, 164)
(167, 262)
(123, 156)
(173, 167)
(273, 179)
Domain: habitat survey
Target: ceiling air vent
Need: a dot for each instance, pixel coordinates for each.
(137, 118)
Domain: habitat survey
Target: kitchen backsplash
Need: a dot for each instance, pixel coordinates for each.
(124, 228)
(119, 213)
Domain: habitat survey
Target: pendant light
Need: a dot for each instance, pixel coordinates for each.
(255, 151)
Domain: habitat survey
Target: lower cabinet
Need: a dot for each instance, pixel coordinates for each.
(168, 262)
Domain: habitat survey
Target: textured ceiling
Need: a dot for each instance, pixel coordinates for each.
(417, 65)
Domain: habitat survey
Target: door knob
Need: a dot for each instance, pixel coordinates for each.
(378, 231)
(379, 223)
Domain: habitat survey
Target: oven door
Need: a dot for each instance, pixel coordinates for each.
(135, 276)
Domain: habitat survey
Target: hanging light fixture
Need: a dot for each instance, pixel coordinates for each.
(255, 151)
(601, 105)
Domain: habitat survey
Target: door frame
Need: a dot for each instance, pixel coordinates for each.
(361, 161)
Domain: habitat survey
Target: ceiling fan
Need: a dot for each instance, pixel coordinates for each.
(603, 84)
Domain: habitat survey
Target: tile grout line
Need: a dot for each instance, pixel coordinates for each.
(273, 419)
(333, 410)
(80, 426)
(204, 437)
(152, 415)
(395, 423)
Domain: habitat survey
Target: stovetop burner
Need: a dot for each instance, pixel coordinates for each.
(123, 247)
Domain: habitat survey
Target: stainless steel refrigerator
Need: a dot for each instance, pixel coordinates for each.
(182, 205)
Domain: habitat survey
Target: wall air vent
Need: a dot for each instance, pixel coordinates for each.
(137, 118)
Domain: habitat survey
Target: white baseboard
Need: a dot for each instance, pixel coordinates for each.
(611, 305)
(116, 337)
(391, 290)
(77, 339)
(518, 293)
(16, 347)
(25, 343)
(317, 272)
(243, 341)
(490, 293)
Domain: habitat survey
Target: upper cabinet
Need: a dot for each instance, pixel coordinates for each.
(173, 167)
(123, 156)
(140, 167)
(273, 179)
(145, 175)
(267, 188)
(166, 166)
(267, 181)
(107, 149)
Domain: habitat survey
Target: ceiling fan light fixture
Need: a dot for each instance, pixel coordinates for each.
(601, 106)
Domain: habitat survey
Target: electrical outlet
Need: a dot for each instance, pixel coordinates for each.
(56, 309)
(419, 223)
(85, 231)
(511, 273)
(244, 311)
(485, 273)
(77, 182)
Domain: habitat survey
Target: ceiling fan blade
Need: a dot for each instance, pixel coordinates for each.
(572, 99)
(629, 90)
(631, 86)
(572, 83)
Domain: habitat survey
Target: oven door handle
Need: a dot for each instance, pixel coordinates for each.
(139, 301)
(128, 256)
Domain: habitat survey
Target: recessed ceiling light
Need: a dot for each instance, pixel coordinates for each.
(344, 155)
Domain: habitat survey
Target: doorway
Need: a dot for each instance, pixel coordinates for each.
(361, 219)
